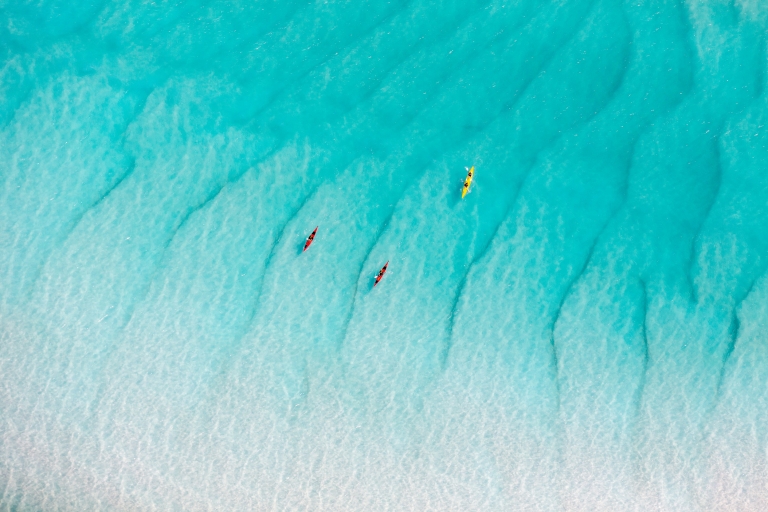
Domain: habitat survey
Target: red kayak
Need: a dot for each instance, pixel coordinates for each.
(381, 273)
(310, 238)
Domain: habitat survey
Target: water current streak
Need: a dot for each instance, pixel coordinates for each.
(646, 353)
(733, 336)
(268, 261)
(77, 220)
(695, 240)
(382, 229)
(445, 353)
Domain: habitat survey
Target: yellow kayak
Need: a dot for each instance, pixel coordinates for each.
(467, 182)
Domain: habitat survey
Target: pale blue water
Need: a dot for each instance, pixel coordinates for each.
(586, 331)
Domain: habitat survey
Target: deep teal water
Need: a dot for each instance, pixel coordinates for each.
(586, 331)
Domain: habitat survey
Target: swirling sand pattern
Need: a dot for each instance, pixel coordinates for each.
(586, 331)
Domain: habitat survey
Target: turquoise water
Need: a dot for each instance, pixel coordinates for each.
(586, 331)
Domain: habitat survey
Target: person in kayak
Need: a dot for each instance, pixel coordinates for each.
(310, 238)
(467, 181)
(380, 274)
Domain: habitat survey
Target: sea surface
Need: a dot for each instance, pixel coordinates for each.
(586, 331)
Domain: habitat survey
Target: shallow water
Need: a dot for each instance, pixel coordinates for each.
(586, 331)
